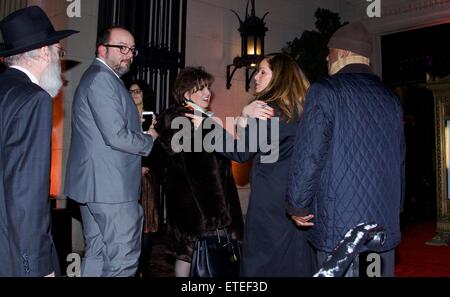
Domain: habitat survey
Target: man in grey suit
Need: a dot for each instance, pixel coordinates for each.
(104, 165)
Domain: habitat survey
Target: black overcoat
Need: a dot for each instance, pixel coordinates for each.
(273, 246)
(26, 245)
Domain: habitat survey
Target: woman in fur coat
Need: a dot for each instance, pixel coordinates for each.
(200, 191)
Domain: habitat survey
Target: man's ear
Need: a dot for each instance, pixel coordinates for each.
(46, 54)
(101, 50)
(344, 54)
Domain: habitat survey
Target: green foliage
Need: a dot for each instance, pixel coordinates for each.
(310, 50)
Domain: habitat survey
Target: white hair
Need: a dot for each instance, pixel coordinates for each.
(51, 80)
(22, 58)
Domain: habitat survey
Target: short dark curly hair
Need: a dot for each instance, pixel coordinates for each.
(190, 79)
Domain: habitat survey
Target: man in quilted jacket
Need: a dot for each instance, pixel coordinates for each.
(349, 156)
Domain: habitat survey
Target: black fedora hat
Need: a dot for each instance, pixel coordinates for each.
(28, 29)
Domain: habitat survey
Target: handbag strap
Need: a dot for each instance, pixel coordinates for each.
(229, 243)
(226, 235)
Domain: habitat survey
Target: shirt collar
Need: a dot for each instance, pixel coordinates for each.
(30, 75)
(356, 68)
(108, 67)
(345, 61)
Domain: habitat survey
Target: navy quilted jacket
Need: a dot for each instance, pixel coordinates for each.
(348, 161)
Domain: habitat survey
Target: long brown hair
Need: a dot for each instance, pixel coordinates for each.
(288, 86)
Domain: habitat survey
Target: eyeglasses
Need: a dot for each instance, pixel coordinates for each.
(62, 52)
(135, 92)
(123, 49)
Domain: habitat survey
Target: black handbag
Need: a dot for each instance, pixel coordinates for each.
(216, 256)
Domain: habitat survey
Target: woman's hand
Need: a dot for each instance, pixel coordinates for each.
(196, 119)
(144, 171)
(151, 131)
(258, 109)
(152, 126)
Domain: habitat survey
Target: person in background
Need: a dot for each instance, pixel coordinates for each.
(349, 156)
(201, 194)
(150, 188)
(33, 77)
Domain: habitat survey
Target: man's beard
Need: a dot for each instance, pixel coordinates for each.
(117, 67)
(121, 70)
(51, 80)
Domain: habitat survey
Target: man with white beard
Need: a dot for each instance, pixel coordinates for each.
(32, 53)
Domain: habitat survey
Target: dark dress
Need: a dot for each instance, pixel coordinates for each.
(150, 202)
(273, 246)
(150, 189)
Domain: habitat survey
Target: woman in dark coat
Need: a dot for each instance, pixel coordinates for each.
(200, 191)
(273, 246)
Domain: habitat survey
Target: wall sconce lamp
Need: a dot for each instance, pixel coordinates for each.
(252, 30)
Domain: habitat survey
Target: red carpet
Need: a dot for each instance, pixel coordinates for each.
(415, 258)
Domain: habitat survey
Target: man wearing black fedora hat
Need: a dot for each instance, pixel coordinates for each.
(32, 54)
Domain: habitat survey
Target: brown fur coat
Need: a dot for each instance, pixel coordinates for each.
(200, 191)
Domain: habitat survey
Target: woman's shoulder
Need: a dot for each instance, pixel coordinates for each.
(173, 109)
(165, 118)
(278, 111)
(172, 112)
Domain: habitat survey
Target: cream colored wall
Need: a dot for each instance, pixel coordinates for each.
(212, 39)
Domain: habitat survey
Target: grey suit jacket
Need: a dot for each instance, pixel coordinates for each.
(104, 163)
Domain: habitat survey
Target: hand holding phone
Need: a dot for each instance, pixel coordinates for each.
(148, 119)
